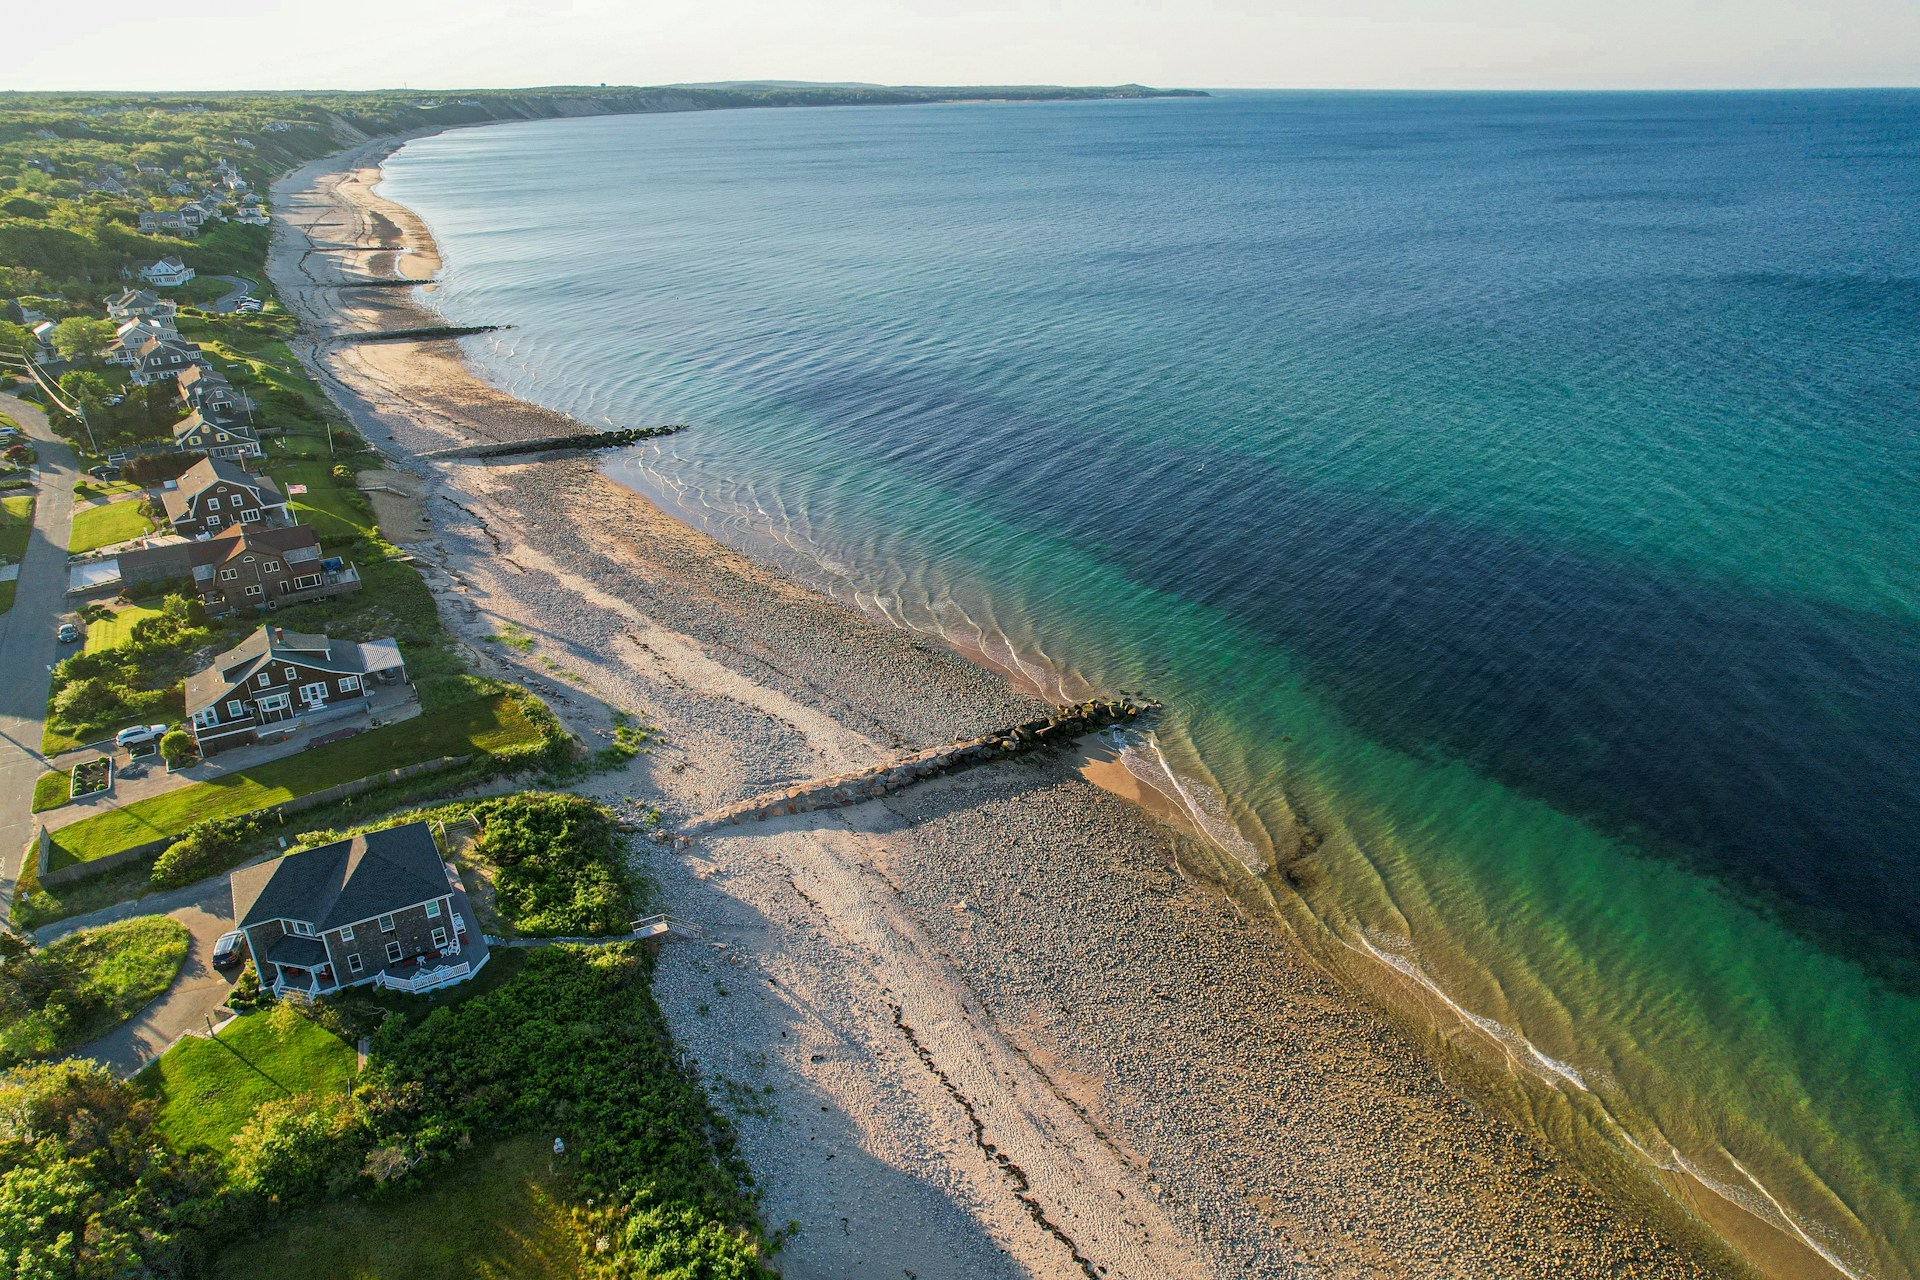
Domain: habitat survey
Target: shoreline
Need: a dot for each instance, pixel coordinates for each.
(1182, 1090)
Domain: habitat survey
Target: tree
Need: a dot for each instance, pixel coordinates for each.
(85, 386)
(14, 338)
(83, 700)
(21, 207)
(78, 337)
(176, 748)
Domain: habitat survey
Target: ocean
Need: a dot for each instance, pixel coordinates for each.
(1515, 500)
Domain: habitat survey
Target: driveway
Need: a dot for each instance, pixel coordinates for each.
(188, 1005)
(27, 647)
(242, 289)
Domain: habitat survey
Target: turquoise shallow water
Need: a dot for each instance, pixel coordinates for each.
(1520, 491)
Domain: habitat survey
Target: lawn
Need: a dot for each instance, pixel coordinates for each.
(51, 791)
(16, 525)
(84, 985)
(498, 1214)
(207, 1091)
(490, 723)
(103, 526)
(104, 488)
(117, 628)
(333, 509)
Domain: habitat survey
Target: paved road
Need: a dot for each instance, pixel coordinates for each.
(27, 647)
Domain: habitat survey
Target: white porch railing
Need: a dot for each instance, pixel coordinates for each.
(427, 980)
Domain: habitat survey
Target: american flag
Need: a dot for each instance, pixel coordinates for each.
(296, 488)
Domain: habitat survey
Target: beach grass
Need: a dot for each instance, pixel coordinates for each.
(486, 724)
(16, 525)
(116, 629)
(95, 527)
(99, 978)
(497, 1214)
(207, 1090)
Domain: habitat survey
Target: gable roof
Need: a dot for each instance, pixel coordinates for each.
(243, 539)
(351, 880)
(268, 645)
(217, 421)
(179, 500)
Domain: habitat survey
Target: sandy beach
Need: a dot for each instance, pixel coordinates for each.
(997, 1025)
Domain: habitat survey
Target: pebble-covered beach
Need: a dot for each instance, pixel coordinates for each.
(985, 1026)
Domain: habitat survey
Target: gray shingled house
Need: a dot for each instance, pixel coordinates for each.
(378, 908)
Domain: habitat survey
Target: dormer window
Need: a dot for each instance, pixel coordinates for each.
(302, 928)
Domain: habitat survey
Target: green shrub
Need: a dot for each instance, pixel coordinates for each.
(205, 849)
(176, 748)
(558, 864)
(300, 1146)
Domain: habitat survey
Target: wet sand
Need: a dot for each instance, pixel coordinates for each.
(999, 1025)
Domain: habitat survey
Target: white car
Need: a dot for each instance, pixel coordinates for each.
(139, 735)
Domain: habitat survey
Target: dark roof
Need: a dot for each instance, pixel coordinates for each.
(369, 875)
(293, 949)
(266, 644)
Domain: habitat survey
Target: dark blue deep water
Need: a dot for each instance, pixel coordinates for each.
(1521, 492)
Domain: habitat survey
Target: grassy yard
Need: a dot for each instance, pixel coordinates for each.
(496, 1215)
(484, 724)
(84, 985)
(6, 595)
(50, 791)
(113, 631)
(103, 526)
(16, 525)
(333, 509)
(207, 1091)
(90, 488)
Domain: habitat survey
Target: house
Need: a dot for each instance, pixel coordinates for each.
(209, 391)
(380, 908)
(252, 213)
(167, 273)
(285, 679)
(266, 568)
(249, 565)
(43, 340)
(216, 494)
(141, 304)
(161, 359)
(168, 222)
(215, 434)
(179, 189)
(134, 336)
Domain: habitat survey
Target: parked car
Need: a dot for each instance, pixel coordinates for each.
(226, 952)
(139, 735)
(104, 472)
(68, 633)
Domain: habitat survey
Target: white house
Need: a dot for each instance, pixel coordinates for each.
(167, 273)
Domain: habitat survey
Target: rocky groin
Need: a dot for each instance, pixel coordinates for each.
(558, 444)
(1061, 727)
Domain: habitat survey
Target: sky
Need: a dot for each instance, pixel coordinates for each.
(1410, 44)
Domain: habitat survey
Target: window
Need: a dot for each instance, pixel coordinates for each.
(302, 583)
(236, 708)
(302, 928)
(213, 522)
(349, 683)
(393, 952)
(213, 504)
(353, 962)
(440, 938)
(290, 675)
(270, 566)
(433, 909)
(346, 933)
(386, 924)
(253, 591)
(250, 517)
(228, 575)
(274, 702)
(312, 694)
(266, 679)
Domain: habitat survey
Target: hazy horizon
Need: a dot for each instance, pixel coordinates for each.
(433, 45)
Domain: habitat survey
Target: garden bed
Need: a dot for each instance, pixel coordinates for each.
(91, 777)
